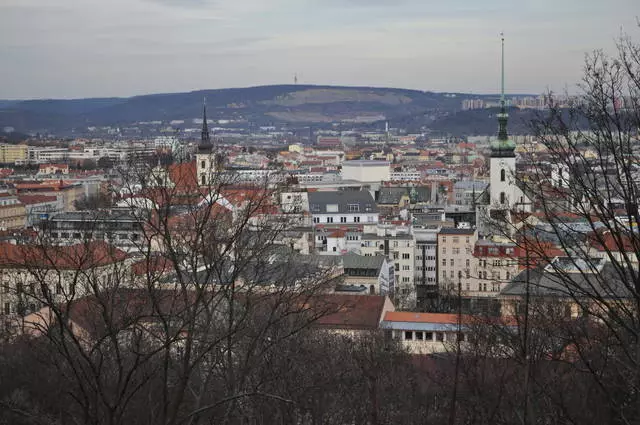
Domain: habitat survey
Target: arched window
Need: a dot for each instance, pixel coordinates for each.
(503, 175)
(202, 164)
(203, 180)
(372, 290)
(502, 197)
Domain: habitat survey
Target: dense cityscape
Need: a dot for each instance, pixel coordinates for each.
(307, 254)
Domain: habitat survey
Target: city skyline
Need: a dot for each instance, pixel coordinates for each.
(135, 47)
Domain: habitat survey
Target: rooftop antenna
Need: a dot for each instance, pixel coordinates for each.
(295, 78)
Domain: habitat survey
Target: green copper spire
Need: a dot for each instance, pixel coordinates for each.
(503, 146)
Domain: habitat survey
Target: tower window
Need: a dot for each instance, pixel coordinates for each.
(203, 180)
(502, 197)
(503, 175)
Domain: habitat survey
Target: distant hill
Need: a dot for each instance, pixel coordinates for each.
(264, 105)
(484, 121)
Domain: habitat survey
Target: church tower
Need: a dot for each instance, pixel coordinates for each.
(205, 162)
(504, 193)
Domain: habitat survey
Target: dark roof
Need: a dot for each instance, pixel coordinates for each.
(92, 216)
(318, 201)
(355, 261)
(392, 195)
(376, 237)
(604, 283)
(452, 231)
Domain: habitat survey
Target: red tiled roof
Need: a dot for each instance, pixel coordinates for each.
(184, 175)
(445, 318)
(69, 257)
(36, 199)
(154, 265)
(350, 311)
(607, 242)
(406, 316)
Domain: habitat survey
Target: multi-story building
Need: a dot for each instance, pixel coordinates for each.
(342, 207)
(426, 265)
(26, 271)
(372, 275)
(399, 247)
(12, 212)
(10, 154)
(118, 227)
(366, 171)
(455, 259)
(40, 207)
(464, 191)
(497, 263)
(70, 192)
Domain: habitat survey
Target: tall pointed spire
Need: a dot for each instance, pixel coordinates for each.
(503, 116)
(205, 138)
(502, 147)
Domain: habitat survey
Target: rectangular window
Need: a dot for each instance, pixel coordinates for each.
(444, 262)
(316, 219)
(439, 336)
(406, 256)
(329, 219)
(353, 207)
(456, 239)
(7, 308)
(396, 255)
(419, 336)
(343, 219)
(356, 219)
(408, 336)
(452, 261)
(397, 267)
(428, 336)
(405, 267)
(406, 280)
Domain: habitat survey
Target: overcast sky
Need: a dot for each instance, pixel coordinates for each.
(87, 48)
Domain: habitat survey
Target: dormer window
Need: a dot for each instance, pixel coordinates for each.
(353, 207)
